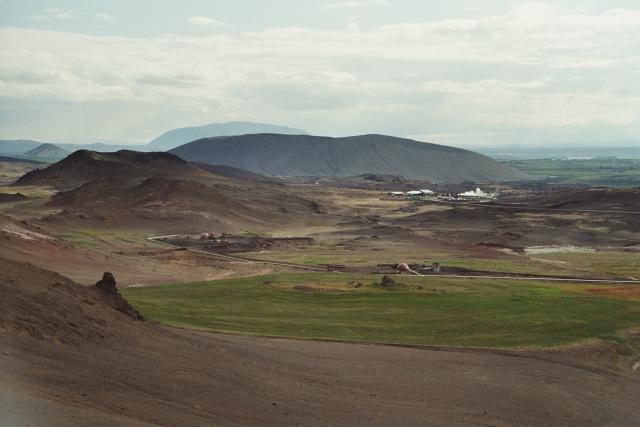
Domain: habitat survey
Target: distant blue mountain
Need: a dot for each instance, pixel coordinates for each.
(13, 147)
(176, 137)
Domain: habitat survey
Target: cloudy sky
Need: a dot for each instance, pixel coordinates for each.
(477, 72)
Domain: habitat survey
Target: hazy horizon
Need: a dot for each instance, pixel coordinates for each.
(473, 75)
(480, 147)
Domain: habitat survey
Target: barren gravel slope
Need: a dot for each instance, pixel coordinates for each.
(129, 372)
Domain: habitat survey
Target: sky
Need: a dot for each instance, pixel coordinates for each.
(466, 73)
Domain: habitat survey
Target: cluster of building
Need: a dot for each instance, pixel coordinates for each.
(214, 237)
(413, 193)
(476, 194)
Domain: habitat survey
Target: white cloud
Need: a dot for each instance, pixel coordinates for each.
(352, 4)
(48, 14)
(348, 4)
(204, 21)
(553, 69)
(104, 16)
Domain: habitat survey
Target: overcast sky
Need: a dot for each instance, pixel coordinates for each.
(479, 72)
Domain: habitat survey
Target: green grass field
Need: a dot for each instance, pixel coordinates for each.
(423, 310)
(600, 263)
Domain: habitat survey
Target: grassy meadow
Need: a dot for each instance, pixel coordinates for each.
(99, 239)
(622, 264)
(418, 310)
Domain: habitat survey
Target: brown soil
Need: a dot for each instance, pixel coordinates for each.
(627, 292)
(152, 200)
(511, 229)
(236, 173)
(238, 243)
(133, 264)
(15, 197)
(70, 358)
(12, 169)
(160, 192)
(592, 198)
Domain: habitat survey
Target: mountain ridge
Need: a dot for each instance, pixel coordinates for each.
(168, 140)
(308, 155)
(176, 137)
(46, 152)
(17, 147)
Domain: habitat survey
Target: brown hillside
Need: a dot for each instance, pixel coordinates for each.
(70, 358)
(592, 198)
(12, 197)
(180, 203)
(84, 166)
(231, 172)
(162, 192)
(46, 305)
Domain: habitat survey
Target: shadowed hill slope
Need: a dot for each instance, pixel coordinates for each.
(84, 166)
(118, 192)
(48, 306)
(159, 190)
(155, 202)
(231, 172)
(15, 197)
(305, 155)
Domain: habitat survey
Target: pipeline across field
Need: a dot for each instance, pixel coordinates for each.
(477, 275)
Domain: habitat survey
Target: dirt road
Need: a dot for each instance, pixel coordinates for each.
(474, 275)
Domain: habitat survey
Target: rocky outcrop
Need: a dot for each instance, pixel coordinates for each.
(109, 289)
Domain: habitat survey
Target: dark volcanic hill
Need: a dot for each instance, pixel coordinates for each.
(162, 192)
(84, 166)
(177, 137)
(306, 155)
(102, 148)
(231, 172)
